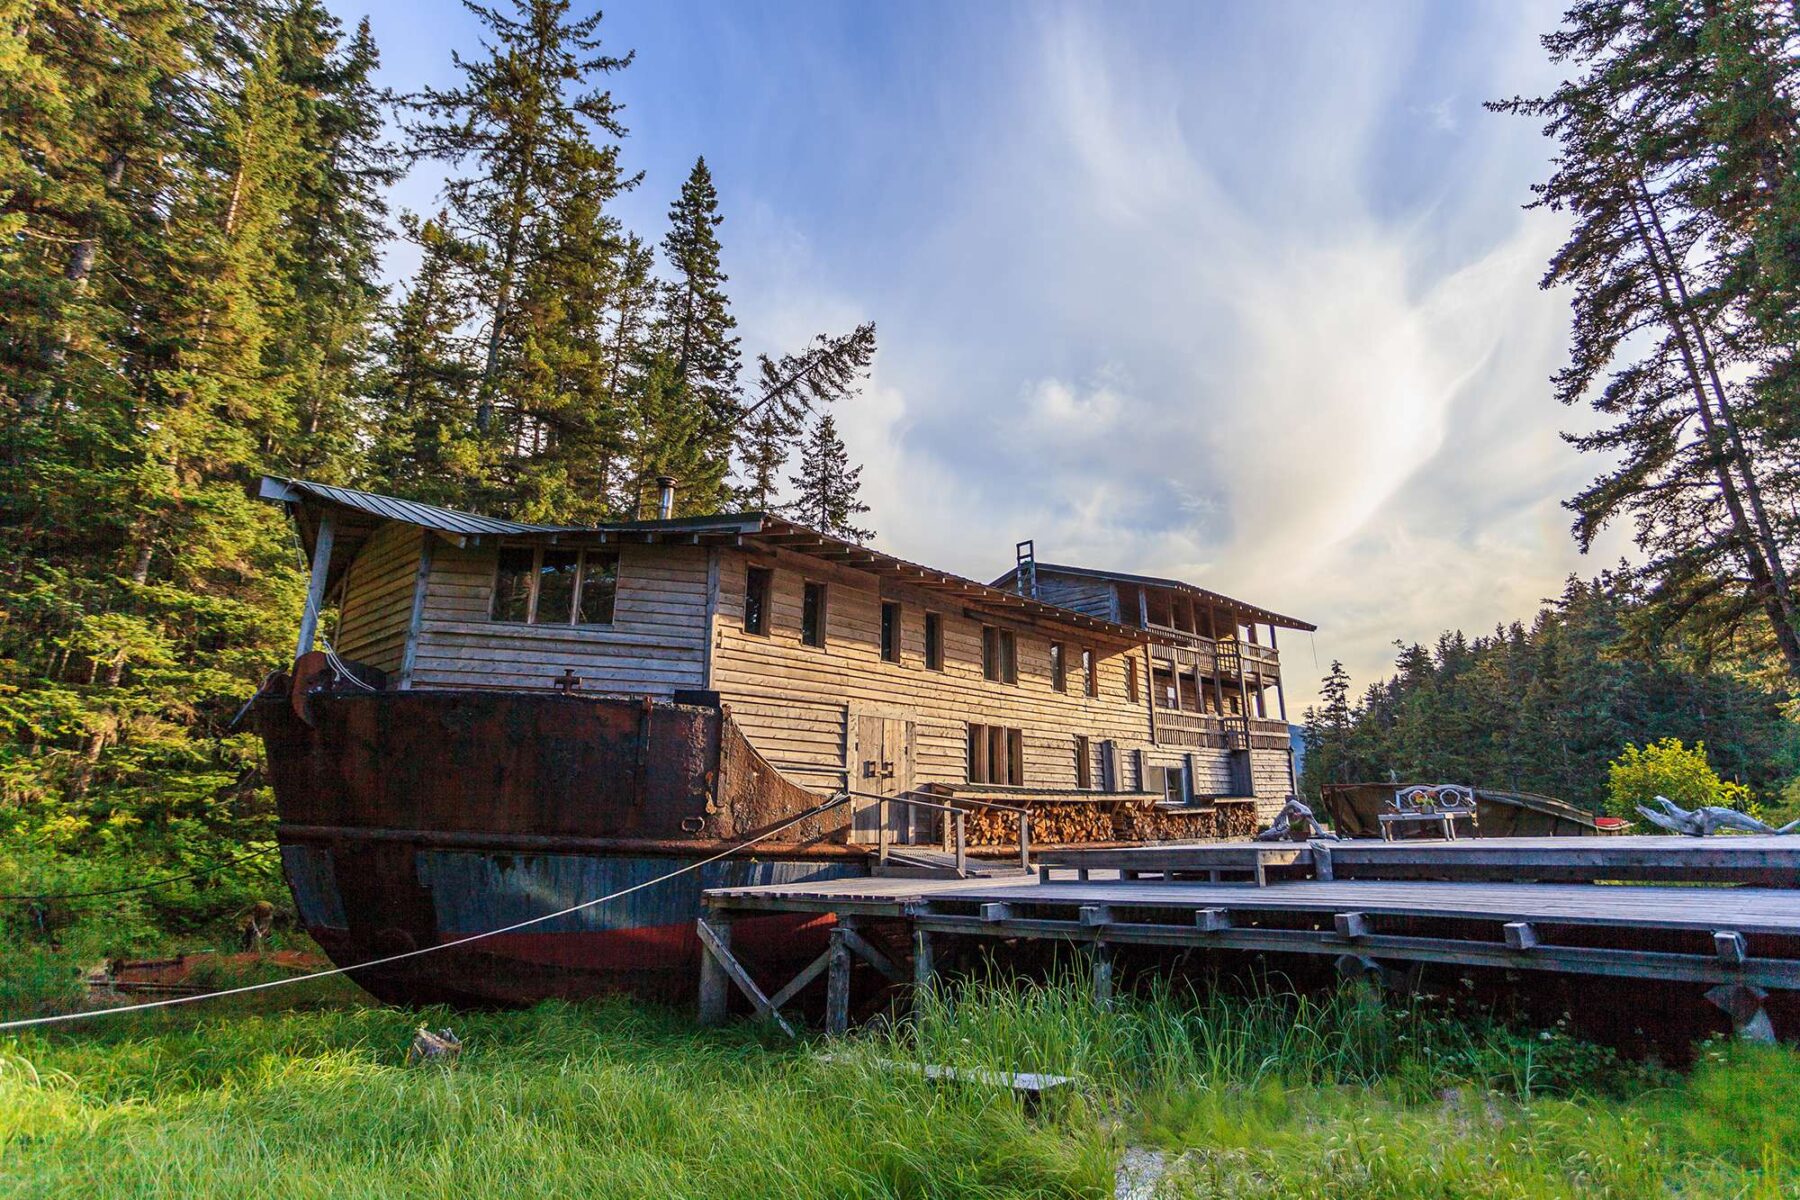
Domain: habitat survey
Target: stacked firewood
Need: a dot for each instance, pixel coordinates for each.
(1138, 820)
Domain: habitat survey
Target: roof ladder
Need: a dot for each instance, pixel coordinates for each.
(1026, 576)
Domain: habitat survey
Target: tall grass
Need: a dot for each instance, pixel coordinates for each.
(1265, 1095)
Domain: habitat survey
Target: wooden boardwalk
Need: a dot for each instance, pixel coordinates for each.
(1738, 938)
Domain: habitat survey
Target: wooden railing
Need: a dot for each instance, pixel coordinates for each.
(1227, 656)
(1178, 727)
(957, 829)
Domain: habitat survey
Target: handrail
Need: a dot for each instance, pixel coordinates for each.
(958, 815)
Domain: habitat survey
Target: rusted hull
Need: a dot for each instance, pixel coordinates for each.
(411, 819)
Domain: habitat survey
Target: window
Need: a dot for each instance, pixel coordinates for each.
(934, 642)
(812, 614)
(512, 586)
(890, 632)
(1084, 763)
(1090, 672)
(1131, 682)
(1059, 671)
(757, 581)
(599, 588)
(996, 755)
(555, 586)
(999, 655)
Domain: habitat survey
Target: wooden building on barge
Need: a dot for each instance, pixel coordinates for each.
(844, 666)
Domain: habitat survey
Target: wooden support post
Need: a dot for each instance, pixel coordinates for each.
(734, 970)
(1321, 856)
(924, 958)
(315, 587)
(1520, 935)
(1100, 955)
(837, 986)
(871, 954)
(715, 986)
(416, 622)
(807, 974)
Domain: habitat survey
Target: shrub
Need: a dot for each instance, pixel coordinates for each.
(1669, 768)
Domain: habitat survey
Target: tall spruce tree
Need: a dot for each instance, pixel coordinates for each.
(523, 123)
(695, 338)
(1676, 162)
(826, 487)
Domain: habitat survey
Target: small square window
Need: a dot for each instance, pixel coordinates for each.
(934, 642)
(757, 582)
(890, 632)
(812, 615)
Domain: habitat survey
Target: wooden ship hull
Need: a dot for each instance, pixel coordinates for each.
(410, 819)
(1354, 810)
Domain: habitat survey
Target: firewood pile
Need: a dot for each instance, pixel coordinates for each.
(1064, 822)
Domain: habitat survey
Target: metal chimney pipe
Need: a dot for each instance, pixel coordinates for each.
(665, 498)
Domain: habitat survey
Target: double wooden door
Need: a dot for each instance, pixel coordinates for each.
(881, 764)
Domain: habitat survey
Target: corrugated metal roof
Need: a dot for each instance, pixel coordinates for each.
(389, 508)
(1268, 617)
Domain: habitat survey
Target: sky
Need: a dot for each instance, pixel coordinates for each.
(1242, 294)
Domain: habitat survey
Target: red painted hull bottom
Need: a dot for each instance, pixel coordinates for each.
(659, 963)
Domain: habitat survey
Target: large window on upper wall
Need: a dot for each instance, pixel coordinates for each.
(758, 581)
(553, 586)
(812, 614)
(999, 655)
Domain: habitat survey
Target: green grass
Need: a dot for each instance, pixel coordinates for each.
(1268, 1095)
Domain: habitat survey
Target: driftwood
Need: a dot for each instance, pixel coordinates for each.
(1707, 820)
(1295, 823)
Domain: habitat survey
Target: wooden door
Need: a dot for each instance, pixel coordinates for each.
(881, 764)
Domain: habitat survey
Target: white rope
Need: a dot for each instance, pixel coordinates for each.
(841, 798)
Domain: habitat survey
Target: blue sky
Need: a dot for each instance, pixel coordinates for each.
(1237, 293)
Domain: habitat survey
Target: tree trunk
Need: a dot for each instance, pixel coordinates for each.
(1787, 638)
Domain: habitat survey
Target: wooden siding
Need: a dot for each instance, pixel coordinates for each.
(378, 595)
(655, 644)
(1096, 598)
(794, 701)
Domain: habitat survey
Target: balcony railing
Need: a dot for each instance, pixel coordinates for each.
(1229, 656)
(1179, 727)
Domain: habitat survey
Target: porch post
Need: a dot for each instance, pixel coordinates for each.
(315, 589)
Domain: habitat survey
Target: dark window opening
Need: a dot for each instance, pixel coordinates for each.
(890, 632)
(934, 642)
(1084, 763)
(556, 587)
(512, 586)
(1131, 679)
(812, 615)
(757, 582)
(1059, 672)
(1090, 672)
